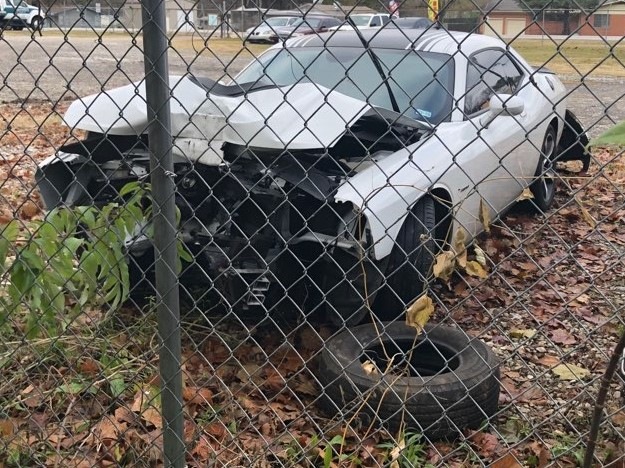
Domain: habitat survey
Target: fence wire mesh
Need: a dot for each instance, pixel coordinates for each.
(397, 246)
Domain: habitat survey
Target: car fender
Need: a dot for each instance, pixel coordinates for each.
(386, 191)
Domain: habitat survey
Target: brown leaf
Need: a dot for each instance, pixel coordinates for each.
(123, 414)
(561, 336)
(153, 416)
(542, 453)
(89, 366)
(507, 461)
(7, 428)
(199, 396)
(444, 266)
(29, 210)
(419, 312)
(526, 194)
(460, 241)
(473, 268)
(273, 379)
(485, 443)
(548, 361)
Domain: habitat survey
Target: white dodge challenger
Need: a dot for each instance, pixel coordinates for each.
(334, 167)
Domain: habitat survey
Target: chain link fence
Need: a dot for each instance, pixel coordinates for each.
(364, 246)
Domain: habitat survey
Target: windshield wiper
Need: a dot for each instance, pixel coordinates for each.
(376, 63)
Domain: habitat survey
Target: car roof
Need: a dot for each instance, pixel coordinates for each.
(430, 40)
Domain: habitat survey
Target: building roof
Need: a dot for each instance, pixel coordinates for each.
(508, 6)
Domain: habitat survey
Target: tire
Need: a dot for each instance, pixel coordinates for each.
(544, 186)
(36, 24)
(439, 405)
(410, 260)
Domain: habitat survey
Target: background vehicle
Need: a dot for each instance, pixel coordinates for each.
(328, 173)
(19, 14)
(264, 31)
(305, 26)
(415, 22)
(367, 21)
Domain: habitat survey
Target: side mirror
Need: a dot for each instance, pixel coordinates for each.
(502, 104)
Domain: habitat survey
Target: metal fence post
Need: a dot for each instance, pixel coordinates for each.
(161, 164)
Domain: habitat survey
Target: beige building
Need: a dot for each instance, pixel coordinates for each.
(181, 15)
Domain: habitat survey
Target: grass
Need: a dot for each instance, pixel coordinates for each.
(574, 57)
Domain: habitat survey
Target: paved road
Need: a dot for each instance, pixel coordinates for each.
(53, 68)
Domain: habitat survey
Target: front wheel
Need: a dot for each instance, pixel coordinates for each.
(544, 186)
(410, 260)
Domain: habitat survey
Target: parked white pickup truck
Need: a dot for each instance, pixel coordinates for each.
(17, 14)
(366, 21)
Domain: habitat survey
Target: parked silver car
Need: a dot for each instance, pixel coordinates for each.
(265, 30)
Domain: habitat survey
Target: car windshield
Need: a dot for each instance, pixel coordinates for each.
(361, 20)
(421, 82)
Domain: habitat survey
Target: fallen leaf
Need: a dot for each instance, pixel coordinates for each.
(518, 333)
(153, 416)
(526, 194)
(548, 361)
(618, 418)
(89, 366)
(480, 255)
(486, 444)
(542, 453)
(199, 396)
(444, 266)
(561, 336)
(29, 210)
(419, 312)
(570, 372)
(507, 461)
(460, 241)
(7, 428)
(583, 298)
(484, 215)
(473, 268)
(396, 452)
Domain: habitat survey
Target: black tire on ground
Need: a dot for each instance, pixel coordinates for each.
(544, 187)
(410, 260)
(454, 384)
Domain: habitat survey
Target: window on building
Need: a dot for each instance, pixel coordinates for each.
(600, 20)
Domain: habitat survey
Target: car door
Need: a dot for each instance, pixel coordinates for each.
(490, 72)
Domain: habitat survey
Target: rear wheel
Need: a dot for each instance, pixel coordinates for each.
(544, 186)
(410, 260)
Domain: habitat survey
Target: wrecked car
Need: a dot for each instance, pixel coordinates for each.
(334, 167)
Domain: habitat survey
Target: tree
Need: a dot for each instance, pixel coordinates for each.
(560, 10)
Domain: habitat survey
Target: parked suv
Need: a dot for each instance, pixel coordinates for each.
(16, 14)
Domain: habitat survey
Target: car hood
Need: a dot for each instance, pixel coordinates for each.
(301, 116)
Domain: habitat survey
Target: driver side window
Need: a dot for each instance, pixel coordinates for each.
(489, 72)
